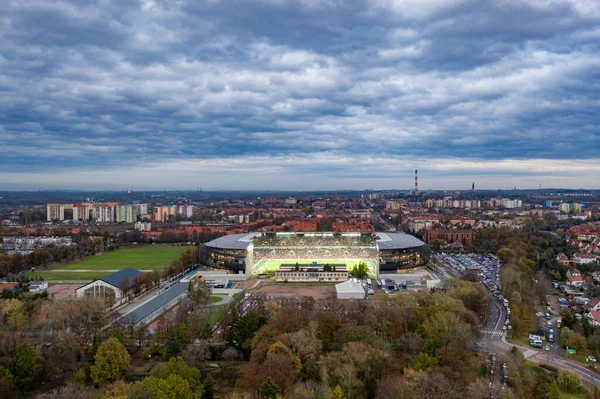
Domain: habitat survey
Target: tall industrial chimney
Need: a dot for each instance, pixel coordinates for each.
(416, 182)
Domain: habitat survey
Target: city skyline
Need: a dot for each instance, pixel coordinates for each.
(311, 95)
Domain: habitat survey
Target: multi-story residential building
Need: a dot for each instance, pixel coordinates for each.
(55, 212)
(420, 223)
(126, 213)
(81, 211)
(565, 207)
(395, 206)
(104, 214)
(141, 209)
(161, 213)
(187, 211)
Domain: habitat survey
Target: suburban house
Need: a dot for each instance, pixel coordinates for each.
(562, 259)
(594, 304)
(594, 318)
(583, 258)
(574, 278)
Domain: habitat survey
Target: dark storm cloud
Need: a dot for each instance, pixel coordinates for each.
(359, 89)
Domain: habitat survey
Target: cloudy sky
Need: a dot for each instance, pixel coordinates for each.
(302, 94)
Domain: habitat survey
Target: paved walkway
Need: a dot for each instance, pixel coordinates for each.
(93, 270)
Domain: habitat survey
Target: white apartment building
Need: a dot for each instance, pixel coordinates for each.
(161, 213)
(187, 211)
(81, 211)
(141, 209)
(126, 213)
(104, 214)
(55, 212)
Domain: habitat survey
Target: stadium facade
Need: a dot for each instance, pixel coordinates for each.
(256, 253)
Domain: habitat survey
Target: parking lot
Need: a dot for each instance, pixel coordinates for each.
(487, 269)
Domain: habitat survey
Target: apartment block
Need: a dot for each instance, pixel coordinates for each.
(126, 213)
(55, 212)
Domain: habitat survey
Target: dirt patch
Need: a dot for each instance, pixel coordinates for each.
(62, 290)
(288, 290)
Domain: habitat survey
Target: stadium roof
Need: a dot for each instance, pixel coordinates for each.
(384, 241)
(233, 241)
(154, 304)
(115, 279)
(397, 241)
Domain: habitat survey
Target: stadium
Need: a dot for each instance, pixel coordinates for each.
(264, 252)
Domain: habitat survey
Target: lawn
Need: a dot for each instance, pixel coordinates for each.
(145, 258)
(141, 258)
(67, 277)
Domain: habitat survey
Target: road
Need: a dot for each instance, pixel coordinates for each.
(493, 340)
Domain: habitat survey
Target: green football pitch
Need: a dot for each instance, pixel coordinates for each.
(146, 258)
(265, 266)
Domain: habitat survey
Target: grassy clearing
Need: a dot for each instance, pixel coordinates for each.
(215, 299)
(141, 258)
(54, 278)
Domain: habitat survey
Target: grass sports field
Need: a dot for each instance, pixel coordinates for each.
(265, 266)
(146, 258)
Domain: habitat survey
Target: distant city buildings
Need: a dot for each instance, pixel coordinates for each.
(115, 212)
(450, 202)
(25, 245)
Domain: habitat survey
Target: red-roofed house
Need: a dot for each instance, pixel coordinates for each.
(574, 278)
(594, 304)
(594, 317)
(583, 258)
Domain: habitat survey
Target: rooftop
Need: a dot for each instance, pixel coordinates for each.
(115, 279)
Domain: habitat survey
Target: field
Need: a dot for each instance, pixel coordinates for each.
(265, 266)
(146, 258)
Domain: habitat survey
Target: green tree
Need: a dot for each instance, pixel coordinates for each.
(25, 366)
(504, 254)
(209, 388)
(173, 387)
(336, 393)
(198, 293)
(568, 381)
(568, 318)
(111, 362)
(31, 307)
(360, 270)
(423, 362)
(554, 391)
(269, 390)
(176, 366)
(178, 337)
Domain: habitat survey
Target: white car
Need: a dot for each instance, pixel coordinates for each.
(592, 359)
(504, 327)
(547, 347)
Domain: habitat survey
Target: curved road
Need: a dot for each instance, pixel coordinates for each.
(493, 339)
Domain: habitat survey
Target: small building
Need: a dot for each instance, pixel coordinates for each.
(38, 286)
(111, 285)
(583, 258)
(594, 318)
(574, 278)
(562, 259)
(594, 304)
(350, 289)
